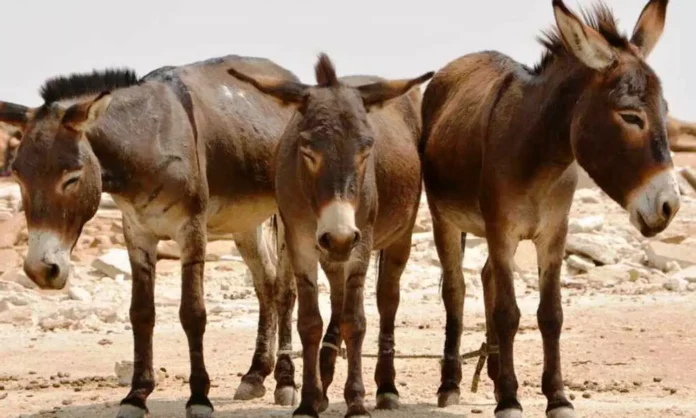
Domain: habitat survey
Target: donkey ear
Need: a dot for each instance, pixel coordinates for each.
(376, 94)
(650, 25)
(15, 115)
(287, 92)
(588, 45)
(81, 117)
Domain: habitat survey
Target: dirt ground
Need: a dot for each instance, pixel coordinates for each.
(628, 345)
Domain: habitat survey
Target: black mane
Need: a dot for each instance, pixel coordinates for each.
(600, 18)
(77, 85)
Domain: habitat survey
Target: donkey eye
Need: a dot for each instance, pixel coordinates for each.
(70, 182)
(633, 119)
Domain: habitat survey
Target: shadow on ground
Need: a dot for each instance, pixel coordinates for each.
(227, 408)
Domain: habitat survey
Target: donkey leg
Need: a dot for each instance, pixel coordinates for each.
(142, 252)
(353, 326)
(192, 240)
(506, 320)
(448, 242)
(286, 293)
(550, 318)
(309, 323)
(493, 360)
(331, 344)
(392, 263)
(255, 254)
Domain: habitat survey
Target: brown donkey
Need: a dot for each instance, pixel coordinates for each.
(348, 181)
(186, 154)
(499, 151)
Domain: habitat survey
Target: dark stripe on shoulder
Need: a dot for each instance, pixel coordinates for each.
(168, 76)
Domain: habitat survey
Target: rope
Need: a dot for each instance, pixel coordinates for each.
(482, 354)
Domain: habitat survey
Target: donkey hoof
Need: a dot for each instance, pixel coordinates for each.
(131, 411)
(248, 391)
(323, 404)
(285, 396)
(563, 412)
(388, 401)
(199, 411)
(509, 413)
(446, 399)
(358, 411)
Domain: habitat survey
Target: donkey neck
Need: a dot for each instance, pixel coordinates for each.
(548, 106)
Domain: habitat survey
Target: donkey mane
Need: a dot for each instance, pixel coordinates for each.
(81, 84)
(325, 72)
(600, 18)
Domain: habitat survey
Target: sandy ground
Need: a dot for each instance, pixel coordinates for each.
(623, 356)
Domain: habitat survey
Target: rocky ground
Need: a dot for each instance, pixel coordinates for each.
(627, 344)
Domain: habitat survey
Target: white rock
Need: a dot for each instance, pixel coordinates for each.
(16, 275)
(688, 274)
(660, 254)
(17, 315)
(124, 372)
(579, 262)
(115, 262)
(588, 195)
(594, 246)
(79, 294)
(586, 224)
(675, 284)
(691, 287)
(607, 276)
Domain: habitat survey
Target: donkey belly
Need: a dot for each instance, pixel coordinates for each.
(227, 215)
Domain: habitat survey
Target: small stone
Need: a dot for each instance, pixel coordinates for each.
(572, 396)
(79, 294)
(657, 379)
(115, 262)
(124, 372)
(593, 246)
(16, 275)
(586, 395)
(588, 195)
(675, 284)
(105, 341)
(586, 224)
(580, 262)
(660, 254)
(66, 402)
(3, 395)
(476, 411)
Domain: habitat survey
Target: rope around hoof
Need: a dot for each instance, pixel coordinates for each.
(482, 354)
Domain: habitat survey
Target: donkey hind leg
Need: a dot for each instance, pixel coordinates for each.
(449, 241)
(142, 252)
(391, 265)
(192, 240)
(506, 320)
(550, 318)
(253, 250)
(331, 344)
(285, 295)
(493, 360)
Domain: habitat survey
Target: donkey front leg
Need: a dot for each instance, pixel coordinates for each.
(392, 262)
(255, 254)
(506, 318)
(331, 345)
(192, 241)
(285, 294)
(142, 252)
(353, 327)
(550, 251)
(309, 324)
(448, 242)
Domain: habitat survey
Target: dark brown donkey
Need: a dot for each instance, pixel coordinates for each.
(348, 181)
(186, 154)
(500, 147)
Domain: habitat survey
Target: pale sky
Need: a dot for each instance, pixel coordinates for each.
(391, 38)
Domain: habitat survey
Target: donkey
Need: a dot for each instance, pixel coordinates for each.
(501, 144)
(348, 181)
(185, 152)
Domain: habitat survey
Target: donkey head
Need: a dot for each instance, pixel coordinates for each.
(334, 142)
(619, 124)
(58, 173)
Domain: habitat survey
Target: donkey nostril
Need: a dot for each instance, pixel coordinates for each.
(325, 241)
(666, 210)
(53, 271)
(356, 238)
